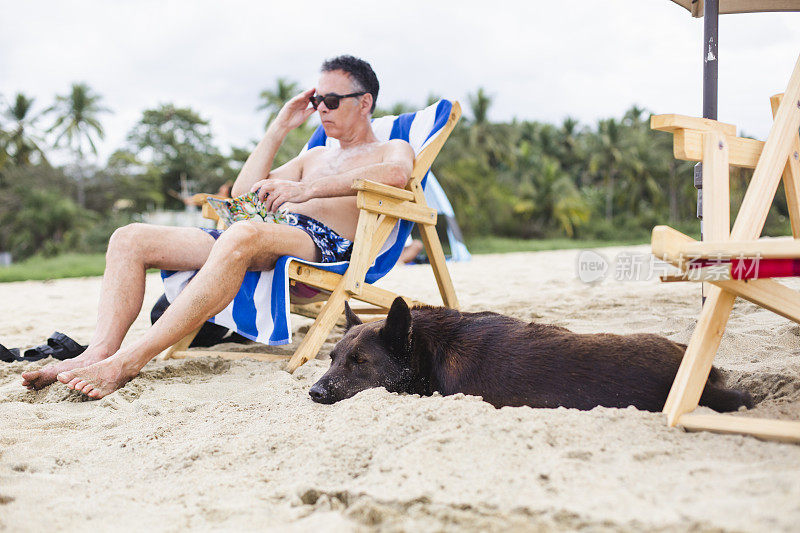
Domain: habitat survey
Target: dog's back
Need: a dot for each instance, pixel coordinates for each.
(509, 362)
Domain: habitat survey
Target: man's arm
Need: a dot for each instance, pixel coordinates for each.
(394, 170)
(259, 163)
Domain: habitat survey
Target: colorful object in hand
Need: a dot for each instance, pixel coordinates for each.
(245, 207)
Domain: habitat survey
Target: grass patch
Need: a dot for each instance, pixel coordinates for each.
(500, 245)
(83, 265)
(60, 266)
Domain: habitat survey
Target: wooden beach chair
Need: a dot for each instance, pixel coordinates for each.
(381, 207)
(717, 146)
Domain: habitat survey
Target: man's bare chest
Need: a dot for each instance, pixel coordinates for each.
(336, 161)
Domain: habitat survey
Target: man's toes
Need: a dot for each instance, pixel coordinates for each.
(30, 376)
(87, 389)
(95, 394)
(65, 377)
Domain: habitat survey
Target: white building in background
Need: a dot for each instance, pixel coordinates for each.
(192, 216)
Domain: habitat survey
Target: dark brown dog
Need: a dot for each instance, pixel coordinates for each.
(507, 362)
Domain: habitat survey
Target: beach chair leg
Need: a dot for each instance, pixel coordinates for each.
(332, 311)
(361, 258)
(433, 247)
(716, 190)
(181, 345)
(684, 396)
(385, 225)
(791, 176)
(322, 326)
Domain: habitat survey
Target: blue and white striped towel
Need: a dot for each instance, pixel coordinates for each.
(260, 310)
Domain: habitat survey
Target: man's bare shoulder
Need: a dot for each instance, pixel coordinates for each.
(397, 148)
(312, 152)
(398, 143)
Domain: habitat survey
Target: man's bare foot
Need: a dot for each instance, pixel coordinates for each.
(38, 379)
(99, 379)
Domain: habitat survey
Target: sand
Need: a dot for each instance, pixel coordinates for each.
(211, 444)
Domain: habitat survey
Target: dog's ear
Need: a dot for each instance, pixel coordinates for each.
(352, 318)
(396, 333)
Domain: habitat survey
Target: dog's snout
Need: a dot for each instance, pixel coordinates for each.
(318, 392)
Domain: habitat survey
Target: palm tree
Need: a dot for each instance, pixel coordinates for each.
(607, 158)
(77, 119)
(76, 123)
(479, 104)
(486, 138)
(4, 156)
(273, 101)
(20, 140)
(569, 147)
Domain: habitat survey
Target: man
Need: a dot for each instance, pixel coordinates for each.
(316, 186)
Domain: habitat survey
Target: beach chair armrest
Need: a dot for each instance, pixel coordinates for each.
(385, 190)
(209, 213)
(394, 207)
(674, 122)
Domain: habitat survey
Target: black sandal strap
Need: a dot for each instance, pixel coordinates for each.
(8, 356)
(65, 347)
(34, 354)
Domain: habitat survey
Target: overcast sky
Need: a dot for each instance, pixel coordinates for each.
(539, 60)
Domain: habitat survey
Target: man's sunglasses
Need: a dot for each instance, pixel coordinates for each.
(331, 100)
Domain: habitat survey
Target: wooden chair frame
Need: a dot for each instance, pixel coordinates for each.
(381, 206)
(716, 145)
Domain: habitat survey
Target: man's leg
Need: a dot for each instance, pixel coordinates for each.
(131, 251)
(244, 246)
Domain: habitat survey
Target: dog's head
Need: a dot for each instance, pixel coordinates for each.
(375, 354)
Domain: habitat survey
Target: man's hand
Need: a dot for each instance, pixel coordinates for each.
(281, 191)
(296, 111)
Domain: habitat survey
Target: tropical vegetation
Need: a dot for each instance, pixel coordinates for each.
(612, 181)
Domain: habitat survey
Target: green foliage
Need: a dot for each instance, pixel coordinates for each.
(533, 180)
(41, 216)
(37, 215)
(511, 184)
(172, 145)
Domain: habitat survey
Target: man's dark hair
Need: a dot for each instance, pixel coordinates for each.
(359, 70)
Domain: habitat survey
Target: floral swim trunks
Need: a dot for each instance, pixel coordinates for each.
(332, 246)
